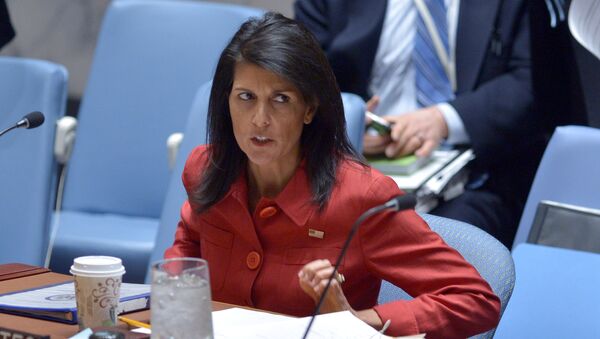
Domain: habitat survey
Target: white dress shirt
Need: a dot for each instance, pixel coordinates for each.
(393, 76)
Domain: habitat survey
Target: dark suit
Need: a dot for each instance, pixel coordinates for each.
(6, 30)
(494, 95)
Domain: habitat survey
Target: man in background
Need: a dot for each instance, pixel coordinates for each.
(6, 30)
(480, 93)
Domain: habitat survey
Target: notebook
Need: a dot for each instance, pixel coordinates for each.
(57, 302)
(405, 165)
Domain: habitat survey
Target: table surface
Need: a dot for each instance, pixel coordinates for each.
(556, 294)
(55, 329)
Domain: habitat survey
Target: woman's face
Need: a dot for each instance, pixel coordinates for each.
(268, 114)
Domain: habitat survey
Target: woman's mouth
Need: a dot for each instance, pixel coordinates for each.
(260, 140)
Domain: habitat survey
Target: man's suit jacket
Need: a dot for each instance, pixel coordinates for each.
(6, 30)
(494, 95)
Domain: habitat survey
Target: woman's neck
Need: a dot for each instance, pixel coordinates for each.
(268, 181)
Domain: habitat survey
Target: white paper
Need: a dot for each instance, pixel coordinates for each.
(439, 181)
(85, 334)
(584, 23)
(243, 323)
(439, 159)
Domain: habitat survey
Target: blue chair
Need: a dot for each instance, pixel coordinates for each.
(491, 259)
(27, 166)
(150, 59)
(354, 110)
(568, 173)
(556, 294)
(195, 134)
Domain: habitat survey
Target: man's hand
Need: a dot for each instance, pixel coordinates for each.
(418, 132)
(374, 144)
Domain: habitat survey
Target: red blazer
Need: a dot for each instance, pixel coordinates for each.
(254, 258)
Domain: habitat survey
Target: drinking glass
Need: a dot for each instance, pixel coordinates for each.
(180, 300)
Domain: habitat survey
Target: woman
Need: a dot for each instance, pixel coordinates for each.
(272, 198)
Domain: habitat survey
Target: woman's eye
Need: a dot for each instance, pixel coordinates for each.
(281, 98)
(245, 96)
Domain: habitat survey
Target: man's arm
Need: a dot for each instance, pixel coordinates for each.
(314, 15)
(498, 114)
(6, 29)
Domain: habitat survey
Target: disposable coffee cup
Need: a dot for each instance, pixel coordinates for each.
(97, 290)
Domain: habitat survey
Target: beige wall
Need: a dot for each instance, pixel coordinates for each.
(65, 31)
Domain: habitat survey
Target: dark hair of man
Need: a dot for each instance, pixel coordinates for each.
(286, 48)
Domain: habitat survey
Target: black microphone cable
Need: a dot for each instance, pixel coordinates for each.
(399, 203)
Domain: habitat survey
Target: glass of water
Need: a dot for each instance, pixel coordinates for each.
(180, 301)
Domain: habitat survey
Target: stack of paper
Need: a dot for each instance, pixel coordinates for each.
(243, 323)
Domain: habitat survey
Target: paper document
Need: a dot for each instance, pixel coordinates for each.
(439, 159)
(437, 183)
(584, 23)
(243, 323)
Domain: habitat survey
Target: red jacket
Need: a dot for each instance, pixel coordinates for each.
(254, 259)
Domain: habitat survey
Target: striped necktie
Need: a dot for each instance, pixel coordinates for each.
(432, 81)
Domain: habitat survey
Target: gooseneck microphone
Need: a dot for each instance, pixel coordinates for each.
(398, 203)
(31, 120)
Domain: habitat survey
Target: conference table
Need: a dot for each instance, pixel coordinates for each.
(55, 329)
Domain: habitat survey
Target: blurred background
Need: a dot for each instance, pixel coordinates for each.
(65, 32)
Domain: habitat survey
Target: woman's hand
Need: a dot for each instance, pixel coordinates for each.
(313, 279)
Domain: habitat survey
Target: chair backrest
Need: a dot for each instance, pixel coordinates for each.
(491, 259)
(568, 173)
(150, 59)
(354, 110)
(195, 134)
(27, 166)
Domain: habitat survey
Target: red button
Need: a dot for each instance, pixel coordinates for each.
(253, 260)
(267, 212)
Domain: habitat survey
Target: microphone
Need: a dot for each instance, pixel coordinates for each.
(29, 121)
(398, 203)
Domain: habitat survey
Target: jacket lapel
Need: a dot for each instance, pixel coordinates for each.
(475, 25)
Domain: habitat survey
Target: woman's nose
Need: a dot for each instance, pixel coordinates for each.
(261, 117)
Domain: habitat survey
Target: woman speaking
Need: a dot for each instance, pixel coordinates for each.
(272, 198)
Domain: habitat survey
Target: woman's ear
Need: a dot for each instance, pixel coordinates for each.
(310, 114)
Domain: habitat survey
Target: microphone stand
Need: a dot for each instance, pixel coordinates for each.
(8, 129)
(394, 203)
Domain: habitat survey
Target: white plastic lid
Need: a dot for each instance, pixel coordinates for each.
(97, 266)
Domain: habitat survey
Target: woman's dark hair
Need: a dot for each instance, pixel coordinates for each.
(286, 48)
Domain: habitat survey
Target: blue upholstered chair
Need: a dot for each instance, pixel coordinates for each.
(568, 173)
(195, 134)
(354, 109)
(556, 294)
(491, 259)
(150, 59)
(27, 166)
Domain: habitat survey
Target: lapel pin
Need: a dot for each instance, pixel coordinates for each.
(315, 233)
